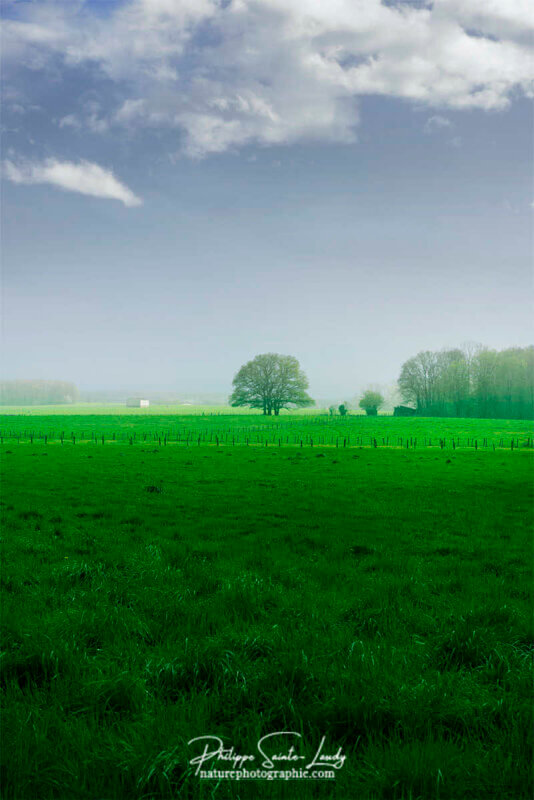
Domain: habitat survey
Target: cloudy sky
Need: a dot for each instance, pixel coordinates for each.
(187, 183)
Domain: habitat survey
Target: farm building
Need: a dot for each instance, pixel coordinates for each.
(404, 411)
(137, 402)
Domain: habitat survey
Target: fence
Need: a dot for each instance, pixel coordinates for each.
(250, 437)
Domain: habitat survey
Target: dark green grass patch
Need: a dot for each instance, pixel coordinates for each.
(382, 601)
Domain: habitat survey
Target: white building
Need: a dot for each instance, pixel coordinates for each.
(137, 402)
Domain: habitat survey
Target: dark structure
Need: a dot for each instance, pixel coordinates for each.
(404, 411)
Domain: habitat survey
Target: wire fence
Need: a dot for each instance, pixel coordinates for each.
(262, 438)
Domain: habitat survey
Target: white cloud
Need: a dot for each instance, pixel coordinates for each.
(70, 121)
(83, 177)
(90, 119)
(504, 19)
(436, 122)
(279, 71)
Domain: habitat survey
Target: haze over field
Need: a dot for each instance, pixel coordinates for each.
(188, 184)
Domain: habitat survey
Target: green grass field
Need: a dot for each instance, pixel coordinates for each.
(207, 426)
(121, 409)
(379, 597)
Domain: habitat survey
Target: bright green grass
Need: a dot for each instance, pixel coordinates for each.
(147, 425)
(381, 598)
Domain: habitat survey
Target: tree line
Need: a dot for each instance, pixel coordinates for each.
(35, 393)
(471, 382)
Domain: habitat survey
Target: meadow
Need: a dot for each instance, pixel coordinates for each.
(169, 425)
(375, 593)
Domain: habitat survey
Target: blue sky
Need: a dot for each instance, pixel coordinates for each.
(187, 184)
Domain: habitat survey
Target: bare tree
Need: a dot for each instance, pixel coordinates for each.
(417, 380)
(475, 381)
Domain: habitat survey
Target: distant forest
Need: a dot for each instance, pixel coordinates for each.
(470, 382)
(36, 393)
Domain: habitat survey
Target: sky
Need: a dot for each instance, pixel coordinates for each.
(188, 183)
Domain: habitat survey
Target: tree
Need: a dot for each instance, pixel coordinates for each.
(418, 378)
(37, 392)
(271, 382)
(343, 409)
(371, 402)
(473, 381)
(452, 383)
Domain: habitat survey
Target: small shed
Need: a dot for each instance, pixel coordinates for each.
(137, 402)
(404, 411)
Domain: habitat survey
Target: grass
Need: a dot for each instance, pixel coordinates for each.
(378, 597)
(146, 425)
(121, 409)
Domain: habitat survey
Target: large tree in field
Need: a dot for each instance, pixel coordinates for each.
(271, 382)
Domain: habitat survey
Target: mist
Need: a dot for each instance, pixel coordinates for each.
(412, 233)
